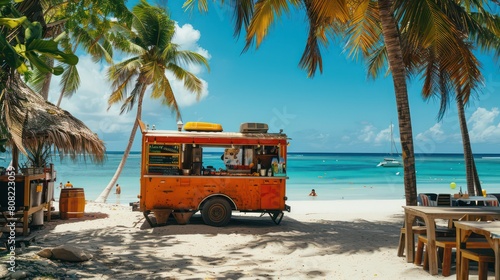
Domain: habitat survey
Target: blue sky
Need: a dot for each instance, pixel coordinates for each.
(340, 110)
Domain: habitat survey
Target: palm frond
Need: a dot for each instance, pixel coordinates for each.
(121, 75)
(243, 12)
(185, 57)
(130, 101)
(153, 25)
(191, 82)
(321, 24)
(263, 18)
(377, 62)
(364, 32)
(37, 80)
(202, 5)
(70, 80)
(330, 10)
(169, 98)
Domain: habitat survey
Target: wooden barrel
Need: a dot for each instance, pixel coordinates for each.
(71, 203)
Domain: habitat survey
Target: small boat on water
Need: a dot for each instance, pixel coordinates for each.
(391, 162)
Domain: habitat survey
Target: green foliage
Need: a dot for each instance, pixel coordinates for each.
(22, 44)
(12, 22)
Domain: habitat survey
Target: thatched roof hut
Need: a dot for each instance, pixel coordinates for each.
(30, 118)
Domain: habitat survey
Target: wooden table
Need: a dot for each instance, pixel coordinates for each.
(490, 230)
(430, 215)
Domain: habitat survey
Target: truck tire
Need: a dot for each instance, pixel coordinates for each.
(216, 212)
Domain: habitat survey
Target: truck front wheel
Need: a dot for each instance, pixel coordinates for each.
(216, 212)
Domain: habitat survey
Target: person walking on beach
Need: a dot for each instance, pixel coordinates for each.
(313, 193)
(68, 185)
(118, 189)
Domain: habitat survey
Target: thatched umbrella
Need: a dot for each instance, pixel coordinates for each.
(30, 118)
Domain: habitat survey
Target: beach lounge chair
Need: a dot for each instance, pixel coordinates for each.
(443, 199)
(492, 203)
(497, 195)
(427, 199)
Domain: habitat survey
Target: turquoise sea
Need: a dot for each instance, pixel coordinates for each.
(333, 175)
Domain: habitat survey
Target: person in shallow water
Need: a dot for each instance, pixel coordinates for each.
(313, 193)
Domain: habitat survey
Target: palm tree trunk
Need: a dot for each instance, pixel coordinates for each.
(396, 63)
(105, 193)
(46, 82)
(473, 182)
(477, 182)
(469, 171)
(61, 96)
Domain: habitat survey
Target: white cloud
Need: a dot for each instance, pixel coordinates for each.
(433, 134)
(370, 135)
(384, 136)
(367, 134)
(187, 38)
(483, 126)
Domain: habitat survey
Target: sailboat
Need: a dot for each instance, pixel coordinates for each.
(391, 162)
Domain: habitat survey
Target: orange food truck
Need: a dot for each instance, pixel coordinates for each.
(175, 181)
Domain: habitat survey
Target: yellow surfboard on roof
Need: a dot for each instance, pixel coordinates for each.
(203, 126)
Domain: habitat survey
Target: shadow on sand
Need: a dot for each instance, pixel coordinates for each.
(128, 252)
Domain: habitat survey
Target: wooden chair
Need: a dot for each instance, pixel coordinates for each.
(482, 256)
(445, 246)
(402, 237)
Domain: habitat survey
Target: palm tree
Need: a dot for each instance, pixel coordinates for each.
(387, 18)
(446, 61)
(454, 72)
(149, 38)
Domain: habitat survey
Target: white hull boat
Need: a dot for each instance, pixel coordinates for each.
(391, 162)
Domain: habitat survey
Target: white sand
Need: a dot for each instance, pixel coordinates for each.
(317, 240)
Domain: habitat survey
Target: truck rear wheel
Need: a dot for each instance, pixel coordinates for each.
(216, 212)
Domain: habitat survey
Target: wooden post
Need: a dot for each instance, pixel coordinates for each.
(15, 158)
